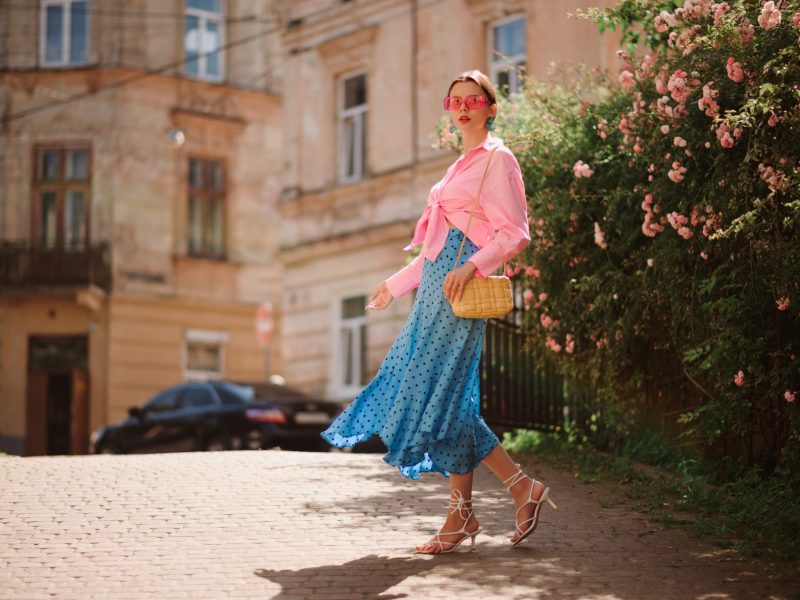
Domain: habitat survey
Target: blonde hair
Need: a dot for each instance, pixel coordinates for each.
(481, 80)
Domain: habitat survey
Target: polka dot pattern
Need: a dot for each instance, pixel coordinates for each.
(424, 401)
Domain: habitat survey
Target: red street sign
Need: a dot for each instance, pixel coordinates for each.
(264, 324)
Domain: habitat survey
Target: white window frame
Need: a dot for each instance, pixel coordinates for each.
(340, 325)
(203, 17)
(65, 42)
(208, 337)
(497, 63)
(359, 114)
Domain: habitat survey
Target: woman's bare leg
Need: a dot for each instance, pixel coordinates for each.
(459, 484)
(503, 466)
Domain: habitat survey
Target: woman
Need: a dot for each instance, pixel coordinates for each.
(424, 401)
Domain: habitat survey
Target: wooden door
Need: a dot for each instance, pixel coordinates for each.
(36, 414)
(79, 427)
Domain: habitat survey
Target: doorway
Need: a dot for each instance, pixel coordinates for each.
(57, 415)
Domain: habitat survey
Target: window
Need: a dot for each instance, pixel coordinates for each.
(508, 54)
(202, 39)
(65, 32)
(165, 401)
(234, 394)
(352, 341)
(352, 128)
(204, 354)
(61, 198)
(196, 396)
(206, 208)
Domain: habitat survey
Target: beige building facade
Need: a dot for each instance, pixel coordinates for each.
(139, 234)
(168, 167)
(363, 94)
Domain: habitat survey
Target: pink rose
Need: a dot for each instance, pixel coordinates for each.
(783, 303)
(580, 169)
(788, 395)
(738, 379)
(720, 10)
(796, 19)
(770, 16)
(545, 320)
(724, 136)
(664, 21)
(532, 272)
(679, 141)
(599, 236)
(677, 172)
(661, 82)
(735, 72)
(707, 103)
(773, 118)
(551, 343)
(677, 86)
(527, 296)
(626, 80)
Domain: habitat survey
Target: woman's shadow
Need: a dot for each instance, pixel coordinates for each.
(366, 577)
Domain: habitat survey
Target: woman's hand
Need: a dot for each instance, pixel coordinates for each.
(380, 298)
(454, 282)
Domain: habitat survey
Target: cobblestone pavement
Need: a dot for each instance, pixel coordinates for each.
(276, 524)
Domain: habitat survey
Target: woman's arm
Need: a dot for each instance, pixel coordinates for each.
(407, 278)
(504, 204)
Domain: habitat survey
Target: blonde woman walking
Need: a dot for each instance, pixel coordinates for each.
(424, 401)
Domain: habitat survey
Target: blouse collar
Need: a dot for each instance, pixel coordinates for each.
(490, 142)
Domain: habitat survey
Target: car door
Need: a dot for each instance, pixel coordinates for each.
(151, 432)
(197, 409)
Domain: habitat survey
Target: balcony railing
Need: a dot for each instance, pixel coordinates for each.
(24, 266)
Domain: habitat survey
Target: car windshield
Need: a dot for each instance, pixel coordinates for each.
(233, 393)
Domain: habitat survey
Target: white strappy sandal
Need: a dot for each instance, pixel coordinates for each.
(461, 505)
(534, 520)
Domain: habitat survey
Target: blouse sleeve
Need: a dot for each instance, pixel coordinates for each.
(407, 278)
(506, 208)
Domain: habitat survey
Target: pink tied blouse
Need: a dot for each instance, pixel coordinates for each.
(499, 227)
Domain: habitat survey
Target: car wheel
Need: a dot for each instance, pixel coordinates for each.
(105, 449)
(216, 444)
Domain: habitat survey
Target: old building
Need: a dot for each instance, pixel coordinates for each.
(364, 88)
(167, 167)
(140, 162)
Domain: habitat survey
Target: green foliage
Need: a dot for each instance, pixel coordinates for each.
(665, 219)
(753, 515)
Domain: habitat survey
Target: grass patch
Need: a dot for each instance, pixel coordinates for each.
(754, 515)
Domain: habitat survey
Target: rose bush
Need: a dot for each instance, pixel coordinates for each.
(664, 204)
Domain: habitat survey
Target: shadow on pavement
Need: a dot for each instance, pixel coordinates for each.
(357, 577)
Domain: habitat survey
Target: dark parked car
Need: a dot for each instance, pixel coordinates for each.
(219, 415)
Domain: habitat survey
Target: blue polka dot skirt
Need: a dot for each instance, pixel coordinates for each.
(424, 401)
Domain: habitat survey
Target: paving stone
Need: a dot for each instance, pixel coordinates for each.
(286, 525)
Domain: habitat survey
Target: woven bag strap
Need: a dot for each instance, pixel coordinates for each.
(474, 204)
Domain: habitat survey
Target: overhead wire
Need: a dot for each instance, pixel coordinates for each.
(121, 12)
(134, 78)
(180, 62)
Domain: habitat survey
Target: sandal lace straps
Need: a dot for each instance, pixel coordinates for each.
(459, 503)
(514, 479)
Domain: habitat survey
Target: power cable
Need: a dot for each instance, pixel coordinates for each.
(132, 79)
(96, 10)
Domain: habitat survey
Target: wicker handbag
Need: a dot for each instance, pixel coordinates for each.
(483, 298)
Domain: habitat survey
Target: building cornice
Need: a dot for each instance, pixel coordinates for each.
(125, 71)
(365, 237)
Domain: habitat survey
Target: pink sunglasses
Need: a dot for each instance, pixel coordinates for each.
(473, 102)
